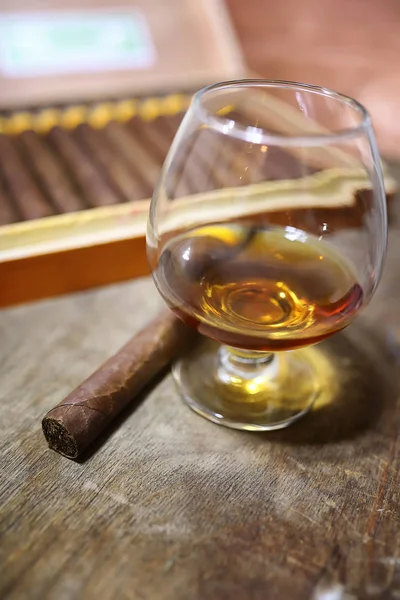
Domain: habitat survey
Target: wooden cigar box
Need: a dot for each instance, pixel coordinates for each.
(81, 148)
(83, 135)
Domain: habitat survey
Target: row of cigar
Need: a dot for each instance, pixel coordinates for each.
(68, 170)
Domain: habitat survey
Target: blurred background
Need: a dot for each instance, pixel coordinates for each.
(351, 46)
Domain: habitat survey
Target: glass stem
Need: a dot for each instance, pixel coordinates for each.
(237, 365)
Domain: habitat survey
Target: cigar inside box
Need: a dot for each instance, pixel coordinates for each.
(67, 160)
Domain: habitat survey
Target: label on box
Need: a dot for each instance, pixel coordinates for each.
(54, 43)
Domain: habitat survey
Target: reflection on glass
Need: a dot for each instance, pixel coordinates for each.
(267, 233)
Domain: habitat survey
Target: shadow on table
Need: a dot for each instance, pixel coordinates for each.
(366, 387)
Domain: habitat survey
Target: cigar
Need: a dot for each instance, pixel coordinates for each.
(151, 134)
(133, 152)
(29, 200)
(8, 214)
(119, 175)
(211, 152)
(53, 179)
(71, 426)
(194, 173)
(177, 184)
(94, 188)
(245, 160)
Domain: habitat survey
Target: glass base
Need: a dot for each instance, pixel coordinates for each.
(252, 391)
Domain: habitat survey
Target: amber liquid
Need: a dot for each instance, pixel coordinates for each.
(258, 289)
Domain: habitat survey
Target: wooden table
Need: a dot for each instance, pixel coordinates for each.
(171, 507)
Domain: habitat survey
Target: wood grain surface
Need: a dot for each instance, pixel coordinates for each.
(171, 507)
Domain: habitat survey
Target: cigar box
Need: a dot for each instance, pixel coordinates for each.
(82, 143)
(84, 132)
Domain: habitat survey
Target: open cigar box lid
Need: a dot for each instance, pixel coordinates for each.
(52, 51)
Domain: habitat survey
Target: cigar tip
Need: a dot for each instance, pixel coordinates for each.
(58, 438)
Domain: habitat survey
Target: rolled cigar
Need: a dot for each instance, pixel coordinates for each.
(226, 163)
(94, 188)
(71, 426)
(171, 125)
(211, 153)
(151, 134)
(168, 125)
(119, 175)
(8, 214)
(273, 114)
(53, 178)
(28, 198)
(173, 122)
(191, 176)
(244, 160)
(135, 154)
(250, 162)
(193, 173)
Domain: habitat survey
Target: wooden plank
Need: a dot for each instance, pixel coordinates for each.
(92, 184)
(57, 185)
(8, 213)
(170, 507)
(118, 174)
(28, 198)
